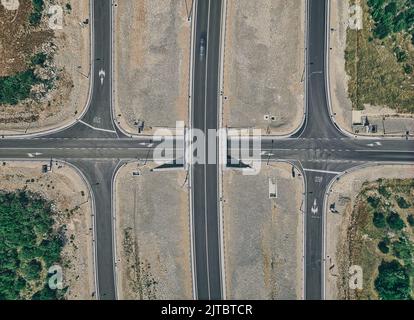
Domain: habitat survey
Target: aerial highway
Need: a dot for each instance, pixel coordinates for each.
(96, 146)
(204, 184)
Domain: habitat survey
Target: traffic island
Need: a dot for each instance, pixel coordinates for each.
(263, 233)
(153, 250)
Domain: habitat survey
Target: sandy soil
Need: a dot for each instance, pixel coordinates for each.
(70, 196)
(343, 194)
(152, 234)
(152, 56)
(263, 65)
(263, 238)
(72, 59)
(395, 123)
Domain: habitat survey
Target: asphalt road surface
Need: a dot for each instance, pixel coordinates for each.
(204, 191)
(96, 147)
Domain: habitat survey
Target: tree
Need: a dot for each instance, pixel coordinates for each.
(402, 203)
(410, 220)
(393, 281)
(395, 222)
(379, 220)
(383, 245)
(402, 250)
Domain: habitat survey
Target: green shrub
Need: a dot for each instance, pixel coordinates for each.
(395, 222)
(383, 246)
(408, 69)
(379, 220)
(410, 220)
(402, 249)
(36, 15)
(17, 87)
(384, 192)
(32, 270)
(39, 59)
(373, 201)
(393, 281)
(391, 16)
(402, 203)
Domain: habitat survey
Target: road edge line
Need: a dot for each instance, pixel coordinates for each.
(190, 123)
(221, 165)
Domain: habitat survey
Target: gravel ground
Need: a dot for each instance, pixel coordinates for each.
(72, 60)
(153, 235)
(264, 63)
(263, 238)
(152, 63)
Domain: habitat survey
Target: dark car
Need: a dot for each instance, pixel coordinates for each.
(202, 46)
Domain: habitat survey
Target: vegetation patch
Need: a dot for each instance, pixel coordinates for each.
(29, 83)
(36, 15)
(380, 239)
(30, 80)
(30, 244)
(380, 56)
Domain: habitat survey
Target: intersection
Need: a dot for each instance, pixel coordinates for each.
(97, 147)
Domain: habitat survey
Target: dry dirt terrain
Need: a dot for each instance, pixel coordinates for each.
(68, 192)
(263, 237)
(264, 64)
(344, 195)
(152, 234)
(66, 69)
(389, 121)
(152, 56)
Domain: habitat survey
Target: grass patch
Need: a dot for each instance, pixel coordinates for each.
(380, 57)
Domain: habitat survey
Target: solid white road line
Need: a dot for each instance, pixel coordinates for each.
(97, 129)
(322, 171)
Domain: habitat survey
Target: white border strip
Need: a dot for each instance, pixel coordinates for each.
(222, 154)
(190, 168)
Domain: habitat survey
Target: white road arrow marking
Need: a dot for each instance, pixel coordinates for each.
(31, 155)
(314, 208)
(102, 76)
(374, 144)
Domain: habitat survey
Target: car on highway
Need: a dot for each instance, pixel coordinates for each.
(202, 46)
